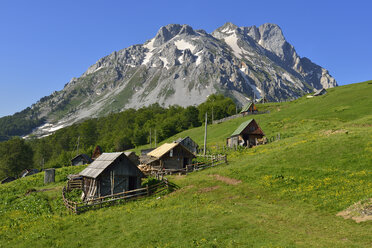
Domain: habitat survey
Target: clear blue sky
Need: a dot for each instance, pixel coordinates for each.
(43, 44)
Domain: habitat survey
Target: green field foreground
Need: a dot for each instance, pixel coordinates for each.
(283, 194)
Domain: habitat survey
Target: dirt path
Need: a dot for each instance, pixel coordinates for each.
(29, 191)
(208, 189)
(226, 180)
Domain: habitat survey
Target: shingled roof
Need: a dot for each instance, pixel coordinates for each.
(100, 164)
(241, 127)
(246, 107)
(161, 150)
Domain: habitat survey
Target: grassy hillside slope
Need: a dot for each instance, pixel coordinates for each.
(284, 194)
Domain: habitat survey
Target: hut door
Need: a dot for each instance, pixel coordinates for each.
(246, 139)
(132, 183)
(185, 162)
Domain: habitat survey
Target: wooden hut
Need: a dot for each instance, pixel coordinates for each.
(7, 180)
(248, 108)
(169, 156)
(247, 134)
(262, 100)
(81, 159)
(320, 92)
(145, 151)
(28, 172)
(187, 142)
(133, 157)
(97, 152)
(110, 173)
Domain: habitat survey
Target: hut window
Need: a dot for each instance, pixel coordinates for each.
(171, 153)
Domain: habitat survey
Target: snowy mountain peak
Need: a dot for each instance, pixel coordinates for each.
(183, 66)
(226, 30)
(168, 32)
(228, 27)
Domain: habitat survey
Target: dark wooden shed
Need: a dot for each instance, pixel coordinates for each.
(187, 142)
(97, 152)
(133, 157)
(247, 134)
(28, 172)
(145, 151)
(320, 92)
(169, 156)
(81, 159)
(7, 180)
(109, 174)
(248, 108)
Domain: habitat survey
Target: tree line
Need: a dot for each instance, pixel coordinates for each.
(115, 132)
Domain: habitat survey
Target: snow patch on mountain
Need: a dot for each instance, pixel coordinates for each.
(165, 62)
(149, 54)
(183, 45)
(199, 59)
(232, 41)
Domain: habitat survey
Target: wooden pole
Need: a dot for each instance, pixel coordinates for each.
(150, 138)
(78, 146)
(205, 133)
(212, 115)
(155, 138)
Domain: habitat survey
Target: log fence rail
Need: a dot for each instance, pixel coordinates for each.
(78, 207)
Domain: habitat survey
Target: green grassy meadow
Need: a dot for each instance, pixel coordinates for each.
(283, 194)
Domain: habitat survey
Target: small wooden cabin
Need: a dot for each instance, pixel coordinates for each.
(7, 180)
(187, 142)
(28, 172)
(81, 159)
(169, 156)
(145, 151)
(262, 100)
(133, 157)
(97, 152)
(320, 92)
(109, 174)
(248, 108)
(247, 134)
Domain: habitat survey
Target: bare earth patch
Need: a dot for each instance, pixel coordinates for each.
(227, 180)
(208, 189)
(330, 132)
(360, 211)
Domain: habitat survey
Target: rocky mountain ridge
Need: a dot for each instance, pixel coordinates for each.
(183, 66)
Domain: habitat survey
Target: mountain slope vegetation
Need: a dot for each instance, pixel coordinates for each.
(283, 194)
(116, 132)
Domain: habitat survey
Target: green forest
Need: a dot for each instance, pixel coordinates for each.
(115, 132)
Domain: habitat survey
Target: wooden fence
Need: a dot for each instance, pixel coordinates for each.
(74, 184)
(78, 207)
(213, 160)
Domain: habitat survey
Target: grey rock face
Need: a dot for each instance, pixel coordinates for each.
(183, 66)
